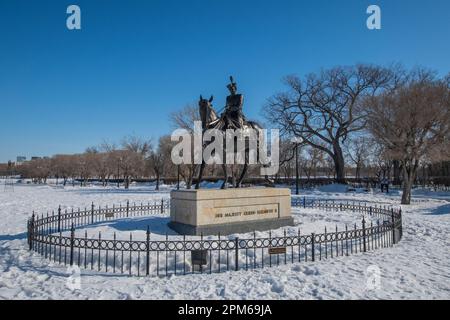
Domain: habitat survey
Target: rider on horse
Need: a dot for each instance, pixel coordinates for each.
(233, 116)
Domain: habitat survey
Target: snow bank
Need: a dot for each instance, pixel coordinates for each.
(416, 268)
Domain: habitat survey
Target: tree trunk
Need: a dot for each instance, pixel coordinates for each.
(339, 163)
(409, 173)
(406, 196)
(397, 171)
(157, 181)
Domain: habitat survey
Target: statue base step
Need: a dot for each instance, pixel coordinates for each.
(231, 228)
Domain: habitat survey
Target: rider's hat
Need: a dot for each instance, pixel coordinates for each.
(232, 84)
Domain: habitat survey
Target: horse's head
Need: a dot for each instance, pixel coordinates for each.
(205, 103)
(207, 113)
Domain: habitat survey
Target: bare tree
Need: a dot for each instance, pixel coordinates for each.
(132, 157)
(329, 167)
(323, 109)
(38, 170)
(103, 168)
(137, 145)
(184, 119)
(111, 161)
(412, 122)
(159, 159)
(382, 163)
(313, 159)
(63, 166)
(287, 158)
(84, 163)
(358, 150)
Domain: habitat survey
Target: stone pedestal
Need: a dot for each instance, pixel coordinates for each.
(210, 211)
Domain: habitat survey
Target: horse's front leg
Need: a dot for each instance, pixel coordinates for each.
(225, 175)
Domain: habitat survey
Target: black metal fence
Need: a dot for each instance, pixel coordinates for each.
(433, 187)
(175, 255)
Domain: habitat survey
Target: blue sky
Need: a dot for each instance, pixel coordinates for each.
(134, 62)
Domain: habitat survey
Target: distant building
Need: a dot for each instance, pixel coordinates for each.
(35, 158)
(20, 160)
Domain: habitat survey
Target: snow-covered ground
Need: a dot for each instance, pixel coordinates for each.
(416, 268)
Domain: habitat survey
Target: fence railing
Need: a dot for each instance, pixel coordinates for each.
(54, 237)
(432, 187)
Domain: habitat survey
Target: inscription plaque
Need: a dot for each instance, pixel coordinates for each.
(277, 250)
(210, 211)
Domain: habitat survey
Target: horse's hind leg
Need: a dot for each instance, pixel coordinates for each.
(241, 178)
(200, 175)
(244, 170)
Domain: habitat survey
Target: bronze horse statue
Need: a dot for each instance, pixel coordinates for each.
(210, 120)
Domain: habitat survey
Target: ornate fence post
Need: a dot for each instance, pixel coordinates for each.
(92, 212)
(59, 218)
(364, 234)
(72, 236)
(304, 202)
(28, 231)
(128, 207)
(393, 226)
(162, 205)
(148, 252)
(236, 251)
(312, 246)
(31, 231)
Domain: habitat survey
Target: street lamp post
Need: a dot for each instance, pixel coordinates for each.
(296, 171)
(118, 172)
(297, 141)
(118, 185)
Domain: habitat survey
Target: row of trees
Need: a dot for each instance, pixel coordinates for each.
(396, 117)
(110, 163)
(133, 158)
(364, 162)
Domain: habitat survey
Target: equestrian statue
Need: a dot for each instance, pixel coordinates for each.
(231, 118)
